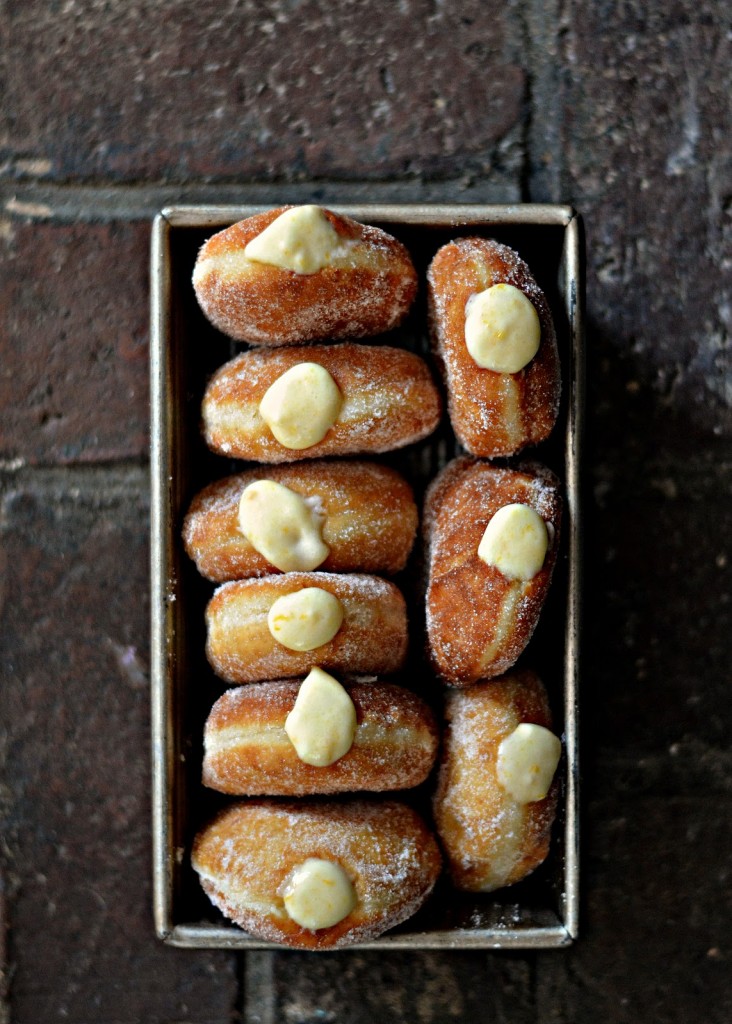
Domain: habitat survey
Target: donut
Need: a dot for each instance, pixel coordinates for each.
(296, 274)
(496, 794)
(317, 875)
(494, 337)
(305, 402)
(263, 628)
(492, 535)
(369, 519)
(249, 752)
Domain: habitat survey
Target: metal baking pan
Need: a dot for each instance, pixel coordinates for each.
(542, 911)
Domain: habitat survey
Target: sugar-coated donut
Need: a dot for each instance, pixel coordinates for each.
(479, 619)
(370, 519)
(387, 400)
(248, 752)
(249, 856)
(493, 413)
(241, 647)
(366, 286)
(490, 838)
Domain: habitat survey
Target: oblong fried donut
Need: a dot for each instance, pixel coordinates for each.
(479, 620)
(367, 289)
(389, 400)
(246, 856)
(489, 838)
(370, 519)
(493, 414)
(241, 649)
(248, 752)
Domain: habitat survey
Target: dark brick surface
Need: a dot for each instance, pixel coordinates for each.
(656, 940)
(659, 609)
(646, 155)
(74, 807)
(419, 988)
(73, 335)
(293, 88)
(647, 150)
(622, 110)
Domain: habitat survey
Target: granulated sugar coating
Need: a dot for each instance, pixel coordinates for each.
(372, 638)
(248, 752)
(490, 839)
(246, 855)
(389, 401)
(478, 620)
(370, 519)
(367, 289)
(493, 414)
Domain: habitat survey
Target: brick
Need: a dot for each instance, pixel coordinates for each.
(647, 145)
(74, 750)
(74, 337)
(655, 945)
(419, 988)
(657, 607)
(319, 88)
(664, 768)
(4, 963)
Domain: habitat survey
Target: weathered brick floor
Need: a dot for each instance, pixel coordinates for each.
(112, 110)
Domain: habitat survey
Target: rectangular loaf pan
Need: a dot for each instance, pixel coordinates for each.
(184, 350)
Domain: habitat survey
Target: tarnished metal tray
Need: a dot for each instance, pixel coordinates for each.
(184, 351)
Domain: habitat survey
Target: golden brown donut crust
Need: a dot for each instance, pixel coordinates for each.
(493, 414)
(248, 752)
(478, 620)
(245, 856)
(368, 293)
(489, 839)
(241, 649)
(389, 401)
(370, 525)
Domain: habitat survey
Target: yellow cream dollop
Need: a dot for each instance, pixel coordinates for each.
(282, 526)
(527, 761)
(319, 894)
(301, 239)
(322, 723)
(515, 542)
(305, 619)
(502, 329)
(301, 406)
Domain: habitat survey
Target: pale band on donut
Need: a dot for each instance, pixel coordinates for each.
(496, 794)
(367, 511)
(295, 274)
(319, 400)
(492, 536)
(494, 337)
(249, 751)
(248, 858)
(242, 638)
